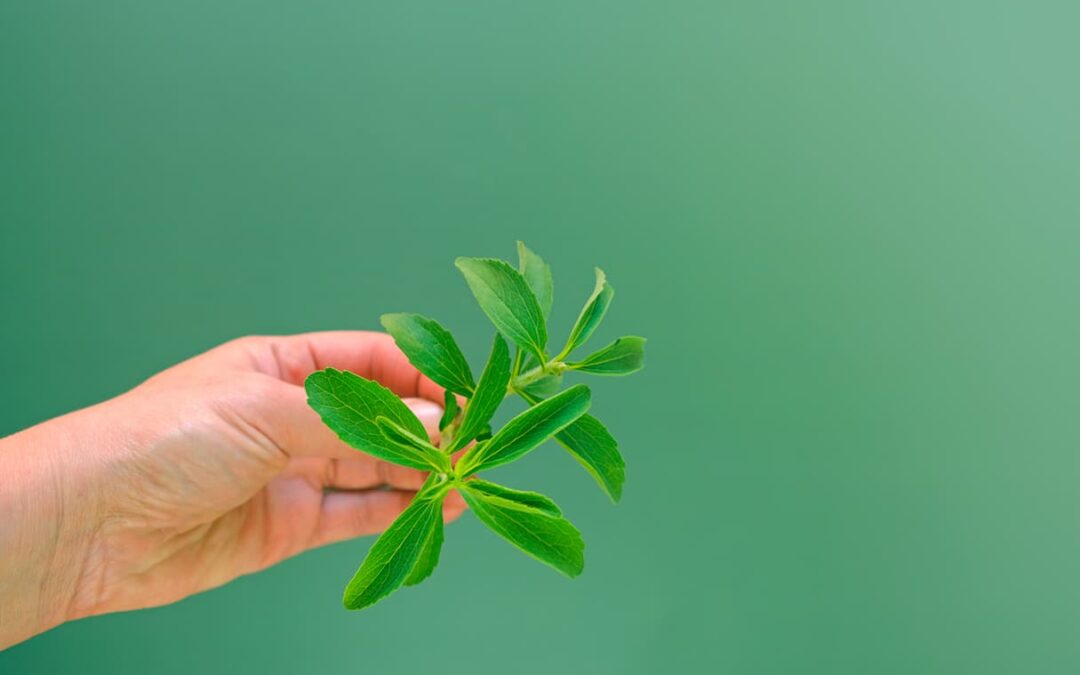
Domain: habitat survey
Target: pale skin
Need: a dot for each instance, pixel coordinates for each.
(212, 469)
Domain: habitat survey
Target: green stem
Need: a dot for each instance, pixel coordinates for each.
(552, 367)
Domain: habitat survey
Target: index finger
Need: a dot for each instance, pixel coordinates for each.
(372, 355)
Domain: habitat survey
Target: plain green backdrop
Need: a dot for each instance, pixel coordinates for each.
(850, 230)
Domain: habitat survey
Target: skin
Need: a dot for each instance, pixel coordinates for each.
(212, 469)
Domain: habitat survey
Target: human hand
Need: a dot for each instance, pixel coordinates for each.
(209, 470)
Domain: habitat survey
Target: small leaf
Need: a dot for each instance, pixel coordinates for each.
(591, 314)
(350, 405)
(550, 539)
(506, 298)
(537, 274)
(423, 450)
(532, 499)
(450, 409)
(490, 393)
(431, 349)
(527, 430)
(395, 555)
(593, 446)
(546, 387)
(622, 357)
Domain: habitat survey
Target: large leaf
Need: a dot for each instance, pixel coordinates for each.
(351, 405)
(591, 314)
(622, 357)
(490, 393)
(537, 274)
(506, 298)
(396, 554)
(527, 430)
(421, 447)
(549, 538)
(432, 349)
(593, 446)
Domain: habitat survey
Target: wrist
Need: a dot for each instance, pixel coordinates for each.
(47, 531)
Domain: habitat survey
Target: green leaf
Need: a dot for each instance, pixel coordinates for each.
(490, 393)
(396, 554)
(545, 387)
(532, 499)
(593, 446)
(591, 314)
(429, 554)
(506, 298)
(420, 448)
(548, 538)
(450, 409)
(622, 357)
(537, 274)
(527, 430)
(350, 405)
(431, 349)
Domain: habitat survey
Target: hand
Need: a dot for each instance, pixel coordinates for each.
(212, 469)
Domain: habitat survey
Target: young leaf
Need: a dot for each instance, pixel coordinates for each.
(526, 431)
(622, 357)
(432, 349)
(591, 314)
(450, 410)
(548, 538)
(418, 448)
(545, 387)
(506, 298)
(490, 393)
(395, 555)
(537, 274)
(531, 499)
(593, 446)
(350, 406)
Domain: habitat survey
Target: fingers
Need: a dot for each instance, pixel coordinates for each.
(280, 411)
(375, 356)
(345, 515)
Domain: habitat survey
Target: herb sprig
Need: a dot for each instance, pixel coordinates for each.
(370, 418)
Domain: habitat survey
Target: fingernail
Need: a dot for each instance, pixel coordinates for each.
(429, 412)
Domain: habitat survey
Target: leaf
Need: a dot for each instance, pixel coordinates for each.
(537, 274)
(545, 387)
(593, 446)
(350, 405)
(550, 539)
(431, 349)
(395, 555)
(506, 298)
(591, 314)
(527, 430)
(622, 357)
(532, 499)
(423, 450)
(429, 554)
(450, 410)
(490, 393)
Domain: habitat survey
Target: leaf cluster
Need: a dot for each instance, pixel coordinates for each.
(370, 418)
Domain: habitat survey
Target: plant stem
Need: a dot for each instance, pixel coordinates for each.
(552, 367)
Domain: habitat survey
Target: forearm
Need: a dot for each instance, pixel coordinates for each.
(48, 519)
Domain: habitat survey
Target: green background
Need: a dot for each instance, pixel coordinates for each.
(850, 231)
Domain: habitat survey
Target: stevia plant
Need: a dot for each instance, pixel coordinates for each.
(370, 418)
